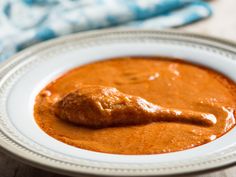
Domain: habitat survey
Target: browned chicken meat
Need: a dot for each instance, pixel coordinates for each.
(98, 107)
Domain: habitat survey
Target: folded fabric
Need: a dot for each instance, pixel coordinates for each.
(26, 22)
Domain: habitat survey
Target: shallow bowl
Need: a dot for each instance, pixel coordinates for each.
(25, 74)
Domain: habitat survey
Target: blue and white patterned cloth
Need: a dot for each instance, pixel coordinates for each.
(26, 22)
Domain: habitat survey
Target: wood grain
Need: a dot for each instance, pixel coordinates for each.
(221, 24)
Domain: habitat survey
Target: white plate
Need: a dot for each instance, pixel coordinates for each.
(23, 76)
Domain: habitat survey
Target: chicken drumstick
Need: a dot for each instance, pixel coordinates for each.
(99, 106)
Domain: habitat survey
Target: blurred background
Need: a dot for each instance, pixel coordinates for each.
(222, 23)
(24, 23)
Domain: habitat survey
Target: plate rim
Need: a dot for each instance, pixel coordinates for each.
(44, 163)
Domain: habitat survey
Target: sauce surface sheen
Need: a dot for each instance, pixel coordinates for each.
(162, 81)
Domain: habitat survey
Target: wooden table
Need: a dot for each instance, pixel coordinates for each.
(222, 24)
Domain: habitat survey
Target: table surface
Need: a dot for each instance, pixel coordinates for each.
(221, 24)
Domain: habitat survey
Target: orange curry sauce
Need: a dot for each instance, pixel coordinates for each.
(168, 83)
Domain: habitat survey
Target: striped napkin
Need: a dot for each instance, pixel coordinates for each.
(27, 22)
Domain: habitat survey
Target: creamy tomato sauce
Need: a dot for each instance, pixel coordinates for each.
(168, 83)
